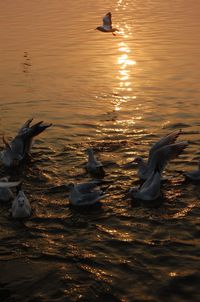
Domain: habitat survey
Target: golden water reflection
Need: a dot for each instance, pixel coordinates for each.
(125, 63)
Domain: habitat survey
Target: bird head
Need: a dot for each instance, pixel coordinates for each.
(89, 151)
(71, 186)
(20, 202)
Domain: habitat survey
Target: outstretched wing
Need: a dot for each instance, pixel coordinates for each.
(163, 155)
(25, 126)
(164, 141)
(22, 142)
(107, 20)
(9, 184)
(27, 132)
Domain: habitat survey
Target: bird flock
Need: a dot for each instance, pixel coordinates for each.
(89, 193)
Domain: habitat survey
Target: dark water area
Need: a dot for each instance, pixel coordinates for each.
(118, 96)
(119, 251)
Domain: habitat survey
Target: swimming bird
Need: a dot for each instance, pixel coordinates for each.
(5, 192)
(94, 166)
(160, 154)
(21, 207)
(194, 175)
(107, 24)
(149, 190)
(84, 193)
(20, 146)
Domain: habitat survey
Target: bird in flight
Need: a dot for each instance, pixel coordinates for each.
(107, 25)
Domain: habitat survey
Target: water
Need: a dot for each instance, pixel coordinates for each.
(118, 95)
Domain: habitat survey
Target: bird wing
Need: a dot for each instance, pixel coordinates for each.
(107, 20)
(99, 164)
(94, 164)
(87, 186)
(163, 155)
(90, 198)
(151, 187)
(26, 134)
(166, 140)
(25, 126)
(34, 130)
(18, 147)
(193, 175)
(9, 184)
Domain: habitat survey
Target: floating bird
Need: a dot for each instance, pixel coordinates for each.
(20, 146)
(84, 194)
(5, 192)
(94, 166)
(21, 207)
(194, 175)
(149, 190)
(107, 24)
(160, 154)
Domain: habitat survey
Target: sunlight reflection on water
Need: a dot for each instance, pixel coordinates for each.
(118, 94)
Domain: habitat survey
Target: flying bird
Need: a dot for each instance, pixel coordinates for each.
(20, 146)
(107, 24)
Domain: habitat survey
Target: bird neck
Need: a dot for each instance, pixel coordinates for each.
(91, 157)
(142, 164)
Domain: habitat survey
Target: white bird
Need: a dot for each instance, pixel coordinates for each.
(194, 175)
(107, 24)
(94, 166)
(150, 189)
(21, 207)
(84, 194)
(160, 154)
(5, 192)
(20, 146)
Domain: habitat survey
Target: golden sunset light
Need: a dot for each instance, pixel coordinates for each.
(99, 152)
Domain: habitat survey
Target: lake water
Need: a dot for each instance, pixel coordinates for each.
(118, 94)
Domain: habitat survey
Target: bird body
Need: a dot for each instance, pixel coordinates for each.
(21, 207)
(6, 193)
(107, 24)
(84, 194)
(94, 166)
(194, 175)
(20, 146)
(150, 189)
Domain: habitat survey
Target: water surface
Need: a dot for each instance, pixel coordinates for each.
(118, 95)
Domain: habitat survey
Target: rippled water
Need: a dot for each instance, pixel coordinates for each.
(118, 95)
